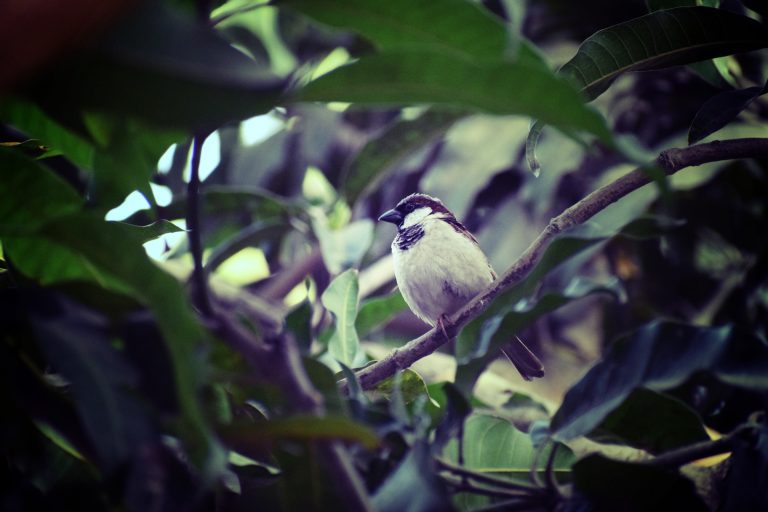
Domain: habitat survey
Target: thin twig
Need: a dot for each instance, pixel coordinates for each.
(487, 479)
(671, 161)
(549, 473)
(464, 486)
(694, 452)
(200, 296)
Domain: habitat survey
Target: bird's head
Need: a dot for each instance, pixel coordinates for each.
(415, 209)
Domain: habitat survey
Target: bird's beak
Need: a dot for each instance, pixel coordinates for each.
(393, 216)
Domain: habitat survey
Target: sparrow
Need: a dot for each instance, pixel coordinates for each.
(439, 267)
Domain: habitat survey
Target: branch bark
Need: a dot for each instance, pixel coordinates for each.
(670, 161)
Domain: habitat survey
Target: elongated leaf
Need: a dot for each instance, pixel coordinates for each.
(377, 311)
(344, 247)
(449, 26)
(383, 154)
(494, 445)
(431, 78)
(165, 68)
(720, 110)
(342, 298)
(672, 425)
(659, 356)
(411, 384)
(661, 39)
(32, 194)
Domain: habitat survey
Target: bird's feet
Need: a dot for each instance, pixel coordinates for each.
(441, 325)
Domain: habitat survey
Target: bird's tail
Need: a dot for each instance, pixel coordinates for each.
(526, 362)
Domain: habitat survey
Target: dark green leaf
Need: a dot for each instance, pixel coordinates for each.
(383, 154)
(78, 344)
(659, 356)
(452, 27)
(217, 199)
(301, 428)
(299, 323)
(378, 311)
(605, 484)
(32, 194)
(746, 487)
(31, 120)
(456, 409)
(650, 226)
(672, 425)
(661, 39)
(720, 110)
(411, 384)
(413, 486)
(430, 78)
(165, 68)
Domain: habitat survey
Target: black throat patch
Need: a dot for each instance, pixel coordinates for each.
(409, 236)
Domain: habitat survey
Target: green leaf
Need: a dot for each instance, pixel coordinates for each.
(344, 247)
(31, 120)
(412, 386)
(246, 237)
(659, 356)
(385, 153)
(452, 27)
(341, 298)
(493, 445)
(32, 194)
(661, 39)
(457, 408)
(218, 199)
(301, 428)
(672, 425)
(720, 110)
(299, 323)
(605, 484)
(432, 78)
(378, 311)
(77, 343)
(162, 67)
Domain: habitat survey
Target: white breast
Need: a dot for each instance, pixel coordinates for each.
(441, 272)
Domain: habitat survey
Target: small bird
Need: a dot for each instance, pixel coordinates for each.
(439, 267)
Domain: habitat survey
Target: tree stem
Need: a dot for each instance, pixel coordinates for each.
(200, 296)
(670, 160)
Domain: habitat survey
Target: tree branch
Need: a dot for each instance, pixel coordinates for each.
(694, 452)
(671, 161)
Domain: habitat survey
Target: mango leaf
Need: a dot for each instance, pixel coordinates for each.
(299, 323)
(300, 428)
(411, 384)
(688, 35)
(31, 120)
(659, 356)
(342, 298)
(78, 344)
(383, 154)
(165, 68)
(457, 408)
(720, 110)
(672, 425)
(32, 194)
(493, 445)
(378, 311)
(605, 484)
(431, 78)
(344, 247)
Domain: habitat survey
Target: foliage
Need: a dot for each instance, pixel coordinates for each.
(134, 379)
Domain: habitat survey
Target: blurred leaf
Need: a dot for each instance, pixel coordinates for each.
(31, 120)
(604, 484)
(659, 356)
(672, 425)
(720, 110)
(432, 78)
(650, 226)
(142, 234)
(746, 486)
(690, 34)
(78, 345)
(301, 428)
(456, 409)
(378, 311)
(246, 237)
(412, 386)
(217, 199)
(494, 445)
(456, 27)
(344, 247)
(31, 194)
(383, 154)
(165, 68)
(413, 486)
(341, 298)
(299, 323)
